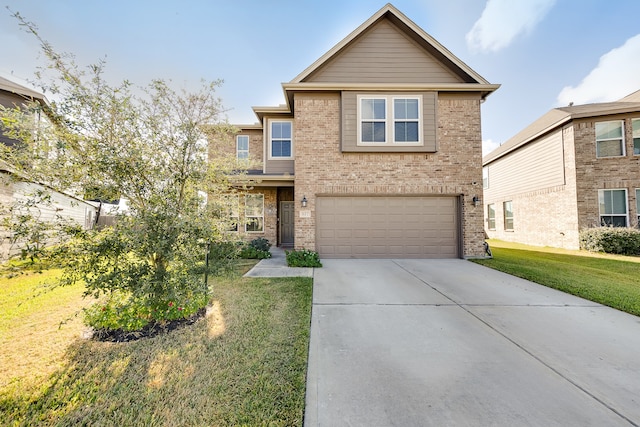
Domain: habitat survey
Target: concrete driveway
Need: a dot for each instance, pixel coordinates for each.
(452, 343)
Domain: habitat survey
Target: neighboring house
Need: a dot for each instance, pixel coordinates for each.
(377, 152)
(12, 185)
(575, 167)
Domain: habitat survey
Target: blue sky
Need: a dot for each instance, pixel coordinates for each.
(544, 53)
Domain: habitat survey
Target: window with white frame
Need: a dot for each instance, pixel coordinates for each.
(613, 207)
(281, 140)
(491, 216)
(485, 177)
(508, 215)
(610, 139)
(254, 213)
(242, 147)
(389, 119)
(635, 125)
(638, 207)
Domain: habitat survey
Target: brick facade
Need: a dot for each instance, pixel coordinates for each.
(455, 169)
(270, 215)
(595, 174)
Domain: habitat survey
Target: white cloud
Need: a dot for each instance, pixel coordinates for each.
(503, 20)
(616, 75)
(488, 145)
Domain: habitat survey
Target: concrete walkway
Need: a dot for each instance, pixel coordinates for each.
(452, 343)
(276, 266)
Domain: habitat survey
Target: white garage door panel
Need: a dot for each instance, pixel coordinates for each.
(379, 227)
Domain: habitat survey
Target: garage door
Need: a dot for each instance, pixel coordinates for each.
(387, 227)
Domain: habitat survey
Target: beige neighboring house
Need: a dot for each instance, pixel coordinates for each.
(376, 153)
(575, 167)
(13, 187)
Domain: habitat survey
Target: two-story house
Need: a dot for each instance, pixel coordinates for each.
(575, 167)
(376, 153)
(13, 186)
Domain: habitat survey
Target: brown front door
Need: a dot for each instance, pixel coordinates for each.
(286, 223)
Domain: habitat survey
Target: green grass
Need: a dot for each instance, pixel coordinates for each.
(612, 280)
(244, 364)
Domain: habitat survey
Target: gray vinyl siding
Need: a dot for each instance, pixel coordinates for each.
(350, 125)
(384, 54)
(65, 206)
(536, 166)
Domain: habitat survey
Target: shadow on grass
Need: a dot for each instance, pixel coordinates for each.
(245, 363)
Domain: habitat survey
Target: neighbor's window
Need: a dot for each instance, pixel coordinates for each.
(485, 177)
(491, 216)
(508, 215)
(242, 147)
(281, 142)
(638, 206)
(389, 120)
(613, 207)
(635, 124)
(610, 139)
(254, 213)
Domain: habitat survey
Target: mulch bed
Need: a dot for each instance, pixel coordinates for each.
(151, 330)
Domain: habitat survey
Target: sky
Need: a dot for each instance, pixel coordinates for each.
(544, 53)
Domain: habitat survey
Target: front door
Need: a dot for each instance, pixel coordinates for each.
(286, 223)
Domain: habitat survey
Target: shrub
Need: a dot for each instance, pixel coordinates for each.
(303, 258)
(122, 312)
(613, 240)
(222, 255)
(260, 244)
(249, 252)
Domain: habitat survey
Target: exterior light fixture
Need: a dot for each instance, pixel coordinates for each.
(304, 201)
(476, 200)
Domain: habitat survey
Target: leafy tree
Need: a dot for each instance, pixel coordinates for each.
(147, 145)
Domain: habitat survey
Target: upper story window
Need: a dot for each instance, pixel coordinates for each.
(610, 139)
(389, 120)
(242, 147)
(485, 177)
(635, 124)
(281, 140)
(613, 207)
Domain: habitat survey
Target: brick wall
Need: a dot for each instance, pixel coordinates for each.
(455, 169)
(270, 215)
(225, 145)
(595, 174)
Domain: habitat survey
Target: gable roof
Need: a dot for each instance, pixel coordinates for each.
(558, 117)
(413, 31)
(10, 85)
(462, 77)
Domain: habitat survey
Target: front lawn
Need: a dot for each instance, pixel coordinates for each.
(244, 364)
(612, 280)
